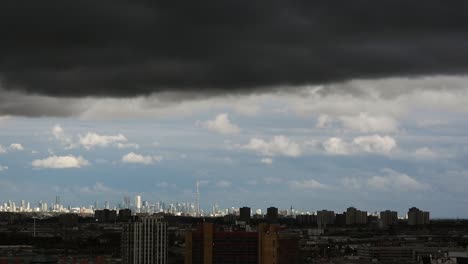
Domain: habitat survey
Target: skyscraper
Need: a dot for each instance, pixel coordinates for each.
(244, 213)
(57, 206)
(126, 202)
(44, 207)
(272, 214)
(145, 241)
(138, 203)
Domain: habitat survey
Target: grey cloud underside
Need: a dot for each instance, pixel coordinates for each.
(119, 48)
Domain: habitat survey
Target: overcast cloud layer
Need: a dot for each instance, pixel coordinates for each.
(127, 48)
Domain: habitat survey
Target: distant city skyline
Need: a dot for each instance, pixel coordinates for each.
(190, 208)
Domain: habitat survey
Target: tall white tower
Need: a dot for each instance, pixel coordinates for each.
(138, 203)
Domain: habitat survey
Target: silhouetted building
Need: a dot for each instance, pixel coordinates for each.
(125, 215)
(340, 219)
(272, 214)
(325, 217)
(418, 217)
(229, 219)
(244, 213)
(306, 220)
(388, 217)
(355, 216)
(373, 220)
(105, 216)
(144, 241)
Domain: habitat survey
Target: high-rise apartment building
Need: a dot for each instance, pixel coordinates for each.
(105, 216)
(276, 246)
(325, 217)
(388, 217)
(306, 219)
(418, 217)
(355, 216)
(340, 219)
(145, 241)
(209, 245)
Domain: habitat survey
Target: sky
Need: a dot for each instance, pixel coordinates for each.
(315, 105)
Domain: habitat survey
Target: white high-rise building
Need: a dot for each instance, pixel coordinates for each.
(138, 203)
(145, 241)
(23, 206)
(44, 207)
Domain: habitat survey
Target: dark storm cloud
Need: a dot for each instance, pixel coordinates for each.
(122, 48)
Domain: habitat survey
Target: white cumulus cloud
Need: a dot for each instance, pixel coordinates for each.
(132, 157)
(3, 168)
(221, 124)
(127, 145)
(396, 181)
(2, 149)
(368, 124)
(365, 144)
(336, 146)
(91, 140)
(310, 184)
(97, 188)
(278, 145)
(59, 134)
(60, 162)
(375, 144)
(16, 147)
